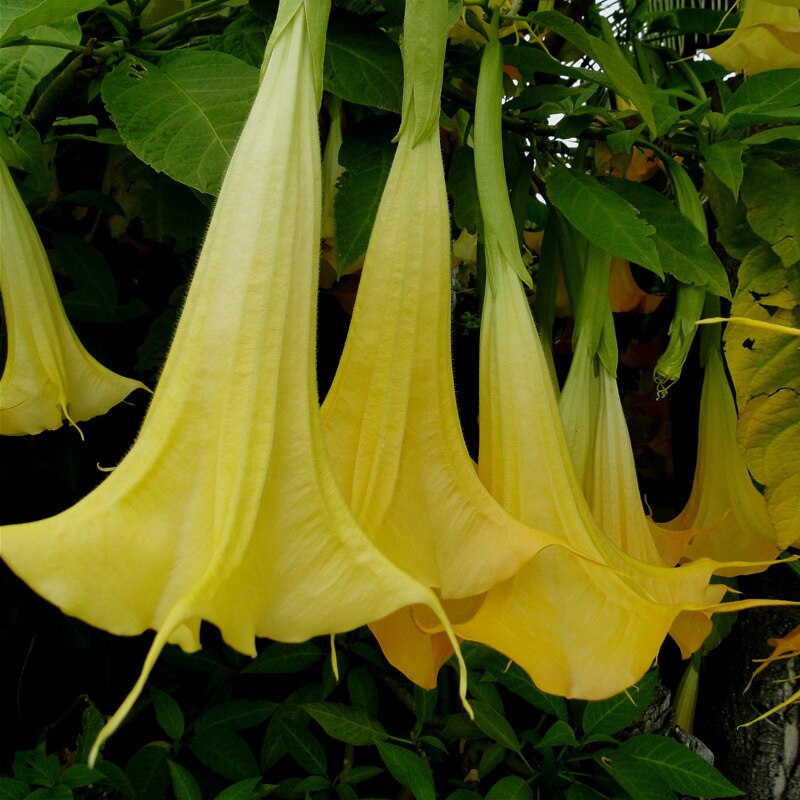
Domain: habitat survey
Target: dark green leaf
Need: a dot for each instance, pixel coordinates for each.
(58, 792)
(284, 659)
(88, 197)
(491, 757)
(346, 724)
(34, 767)
(79, 775)
(724, 159)
(409, 770)
(578, 791)
(362, 691)
(462, 185)
(302, 745)
(273, 748)
(345, 792)
(360, 774)
(148, 773)
(766, 92)
(94, 298)
(250, 789)
(558, 734)
(12, 789)
(623, 141)
(518, 681)
(495, 726)
(226, 753)
(773, 134)
(236, 715)
(244, 38)
(172, 214)
(682, 249)
(530, 60)
(512, 787)
(23, 67)
(425, 703)
(363, 65)
(603, 217)
(367, 163)
(184, 115)
(19, 16)
(168, 714)
(613, 715)
(486, 692)
(680, 768)
(21, 146)
(116, 778)
(636, 778)
(183, 783)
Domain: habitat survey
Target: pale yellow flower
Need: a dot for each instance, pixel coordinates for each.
(226, 508)
(48, 377)
(767, 37)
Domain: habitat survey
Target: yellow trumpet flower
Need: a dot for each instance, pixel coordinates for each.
(226, 508)
(767, 37)
(723, 503)
(390, 418)
(49, 377)
(579, 630)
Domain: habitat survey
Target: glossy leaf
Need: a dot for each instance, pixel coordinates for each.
(681, 769)
(604, 218)
(408, 769)
(346, 724)
(613, 715)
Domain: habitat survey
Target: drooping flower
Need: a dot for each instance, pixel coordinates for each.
(390, 418)
(767, 38)
(48, 377)
(226, 508)
(580, 626)
(560, 617)
(723, 505)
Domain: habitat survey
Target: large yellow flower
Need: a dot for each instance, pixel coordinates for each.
(49, 376)
(226, 508)
(767, 37)
(390, 417)
(723, 504)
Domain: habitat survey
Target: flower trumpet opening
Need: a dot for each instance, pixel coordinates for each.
(255, 536)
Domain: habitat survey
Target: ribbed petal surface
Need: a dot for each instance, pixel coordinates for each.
(226, 508)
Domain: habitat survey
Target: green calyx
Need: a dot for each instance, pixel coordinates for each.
(316, 19)
(424, 42)
(499, 228)
(689, 302)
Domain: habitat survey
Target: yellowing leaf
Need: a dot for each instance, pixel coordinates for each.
(765, 366)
